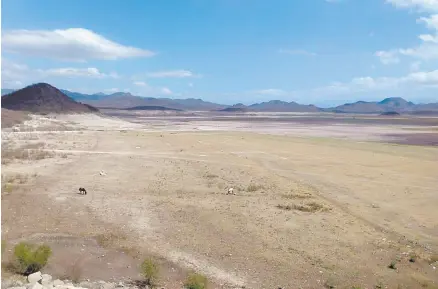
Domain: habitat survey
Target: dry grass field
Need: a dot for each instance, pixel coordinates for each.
(310, 210)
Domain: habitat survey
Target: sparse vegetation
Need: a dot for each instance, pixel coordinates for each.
(254, 187)
(29, 258)
(32, 151)
(107, 239)
(149, 270)
(297, 196)
(74, 272)
(196, 281)
(310, 207)
(10, 182)
(211, 176)
(392, 265)
(413, 258)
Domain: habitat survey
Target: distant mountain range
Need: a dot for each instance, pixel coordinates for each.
(123, 100)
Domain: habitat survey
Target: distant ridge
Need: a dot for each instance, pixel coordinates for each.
(43, 98)
(122, 100)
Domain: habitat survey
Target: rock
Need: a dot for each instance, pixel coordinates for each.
(36, 286)
(17, 287)
(109, 286)
(46, 279)
(34, 278)
(58, 282)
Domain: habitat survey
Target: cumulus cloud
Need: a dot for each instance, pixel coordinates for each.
(90, 72)
(388, 57)
(363, 84)
(15, 74)
(428, 48)
(148, 90)
(171, 74)
(75, 44)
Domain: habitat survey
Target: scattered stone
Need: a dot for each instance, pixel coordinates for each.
(37, 286)
(58, 282)
(34, 278)
(46, 279)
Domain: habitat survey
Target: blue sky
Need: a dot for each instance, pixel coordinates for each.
(323, 52)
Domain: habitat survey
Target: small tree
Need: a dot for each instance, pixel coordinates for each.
(149, 270)
(30, 260)
(196, 281)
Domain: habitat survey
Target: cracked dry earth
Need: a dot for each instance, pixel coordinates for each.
(308, 213)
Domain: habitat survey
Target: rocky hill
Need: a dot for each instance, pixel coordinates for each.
(392, 104)
(43, 98)
(283, 106)
(127, 100)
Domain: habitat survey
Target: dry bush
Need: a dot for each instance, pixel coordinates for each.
(310, 207)
(10, 182)
(210, 176)
(254, 187)
(74, 272)
(196, 281)
(297, 196)
(32, 151)
(109, 239)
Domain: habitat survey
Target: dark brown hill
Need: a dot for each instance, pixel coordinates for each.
(43, 98)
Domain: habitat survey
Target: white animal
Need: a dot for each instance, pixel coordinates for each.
(230, 191)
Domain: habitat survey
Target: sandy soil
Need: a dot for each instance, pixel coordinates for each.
(308, 212)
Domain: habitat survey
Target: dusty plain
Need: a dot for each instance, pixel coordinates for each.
(322, 201)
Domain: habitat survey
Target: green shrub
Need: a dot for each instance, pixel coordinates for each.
(149, 270)
(196, 281)
(392, 265)
(30, 260)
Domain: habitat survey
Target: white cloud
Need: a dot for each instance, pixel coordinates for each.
(297, 52)
(165, 90)
(111, 90)
(421, 5)
(270, 91)
(140, 83)
(76, 44)
(388, 57)
(90, 72)
(428, 48)
(361, 84)
(423, 78)
(16, 74)
(172, 74)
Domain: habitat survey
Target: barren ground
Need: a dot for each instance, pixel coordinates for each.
(315, 204)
